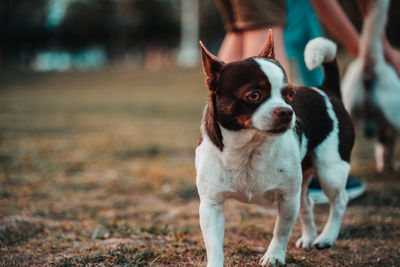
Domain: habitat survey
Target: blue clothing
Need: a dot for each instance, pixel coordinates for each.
(302, 25)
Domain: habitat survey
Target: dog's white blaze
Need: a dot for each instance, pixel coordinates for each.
(262, 118)
(273, 72)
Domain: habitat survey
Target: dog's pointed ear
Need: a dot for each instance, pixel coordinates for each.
(268, 50)
(211, 66)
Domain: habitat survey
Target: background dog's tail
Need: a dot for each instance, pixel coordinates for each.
(321, 51)
(371, 49)
(371, 54)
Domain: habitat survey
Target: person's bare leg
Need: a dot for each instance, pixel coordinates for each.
(253, 41)
(232, 47)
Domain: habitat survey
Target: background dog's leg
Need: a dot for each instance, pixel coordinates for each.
(308, 229)
(212, 223)
(287, 214)
(333, 177)
(385, 148)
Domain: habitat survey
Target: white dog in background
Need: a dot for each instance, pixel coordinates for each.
(371, 87)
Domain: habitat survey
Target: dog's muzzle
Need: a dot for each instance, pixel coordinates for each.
(282, 119)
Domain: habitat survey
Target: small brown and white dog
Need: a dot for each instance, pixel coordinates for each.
(371, 88)
(262, 139)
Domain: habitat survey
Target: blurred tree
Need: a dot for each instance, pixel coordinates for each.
(121, 27)
(211, 27)
(22, 30)
(145, 23)
(392, 29)
(158, 22)
(86, 23)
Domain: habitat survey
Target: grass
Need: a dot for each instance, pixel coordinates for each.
(96, 169)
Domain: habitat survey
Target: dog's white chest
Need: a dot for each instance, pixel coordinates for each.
(257, 173)
(259, 177)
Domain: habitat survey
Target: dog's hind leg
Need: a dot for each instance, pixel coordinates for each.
(332, 177)
(385, 149)
(308, 229)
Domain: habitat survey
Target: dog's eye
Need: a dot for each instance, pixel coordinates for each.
(254, 96)
(291, 92)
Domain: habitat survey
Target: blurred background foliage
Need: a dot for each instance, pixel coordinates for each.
(122, 28)
(120, 32)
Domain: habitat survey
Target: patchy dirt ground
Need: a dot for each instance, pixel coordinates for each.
(97, 170)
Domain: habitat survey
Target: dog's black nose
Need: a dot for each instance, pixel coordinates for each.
(283, 114)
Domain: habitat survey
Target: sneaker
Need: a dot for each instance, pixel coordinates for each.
(355, 187)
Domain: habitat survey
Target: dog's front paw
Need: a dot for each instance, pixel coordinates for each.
(323, 242)
(272, 260)
(305, 241)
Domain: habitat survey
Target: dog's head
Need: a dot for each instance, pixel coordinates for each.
(249, 94)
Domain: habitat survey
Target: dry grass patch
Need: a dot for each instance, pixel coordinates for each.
(97, 170)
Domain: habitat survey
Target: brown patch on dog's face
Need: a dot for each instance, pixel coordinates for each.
(241, 88)
(288, 93)
(244, 121)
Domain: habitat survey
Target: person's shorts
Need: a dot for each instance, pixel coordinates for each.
(239, 15)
